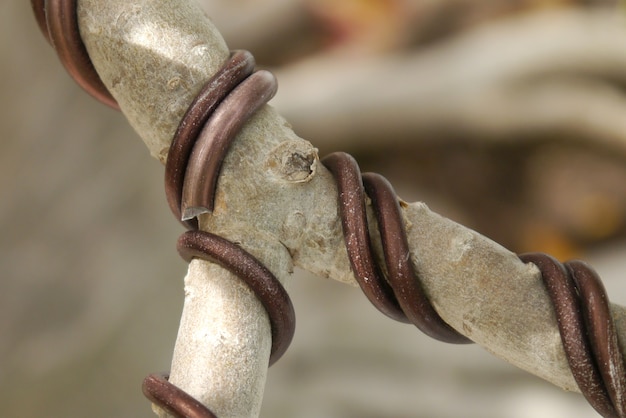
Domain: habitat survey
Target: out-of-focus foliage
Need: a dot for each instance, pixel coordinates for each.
(546, 185)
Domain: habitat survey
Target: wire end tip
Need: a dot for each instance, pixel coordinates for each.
(193, 212)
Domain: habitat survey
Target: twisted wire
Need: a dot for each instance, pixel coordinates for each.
(228, 99)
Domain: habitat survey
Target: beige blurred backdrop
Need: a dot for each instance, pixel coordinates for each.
(91, 285)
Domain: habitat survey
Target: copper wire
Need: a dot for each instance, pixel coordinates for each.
(58, 21)
(400, 295)
(587, 330)
(261, 281)
(581, 307)
(239, 66)
(215, 138)
(172, 399)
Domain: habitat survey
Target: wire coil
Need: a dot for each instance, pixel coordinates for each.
(202, 140)
(58, 21)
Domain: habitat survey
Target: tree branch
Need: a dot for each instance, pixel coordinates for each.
(154, 57)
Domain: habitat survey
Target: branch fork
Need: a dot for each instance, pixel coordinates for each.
(279, 203)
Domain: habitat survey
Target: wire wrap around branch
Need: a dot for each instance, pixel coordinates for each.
(202, 140)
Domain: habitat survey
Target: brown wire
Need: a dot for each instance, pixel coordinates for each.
(203, 137)
(601, 330)
(239, 66)
(587, 330)
(212, 144)
(58, 21)
(261, 281)
(172, 399)
(400, 296)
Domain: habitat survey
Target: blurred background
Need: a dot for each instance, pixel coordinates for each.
(506, 116)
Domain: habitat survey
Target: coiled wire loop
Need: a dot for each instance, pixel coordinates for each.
(587, 330)
(172, 399)
(198, 148)
(400, 295)
(58, 21)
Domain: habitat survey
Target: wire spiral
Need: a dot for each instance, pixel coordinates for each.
(202, 140)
